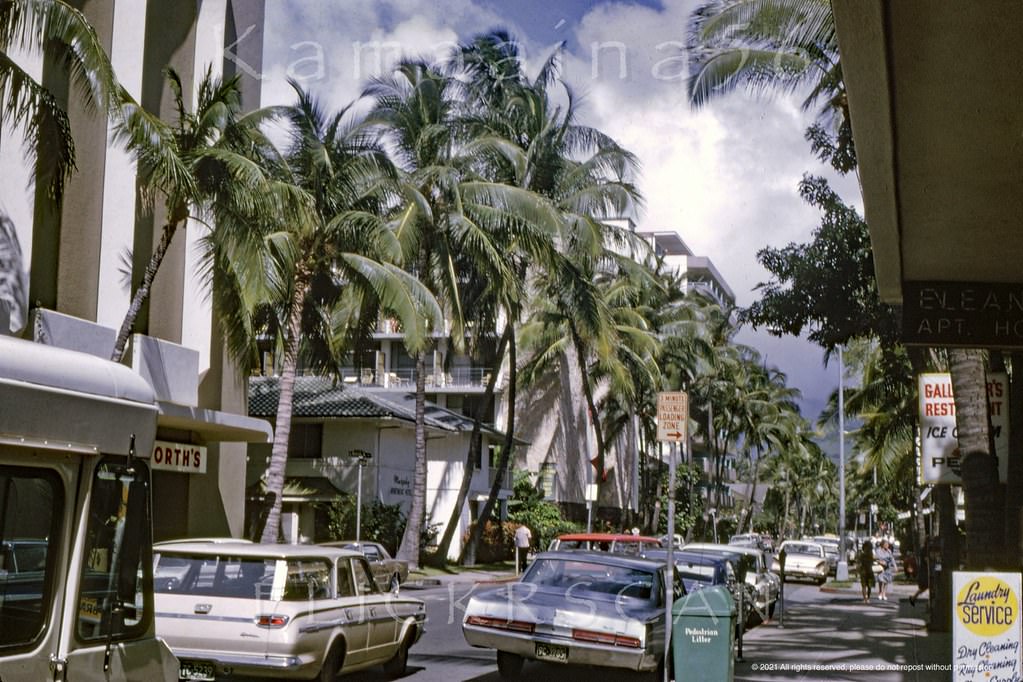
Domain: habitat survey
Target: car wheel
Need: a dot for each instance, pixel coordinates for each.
(509, 665)
(394, 584)
(332, 663)
(399, 663)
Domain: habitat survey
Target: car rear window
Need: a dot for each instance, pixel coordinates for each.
(592, 577)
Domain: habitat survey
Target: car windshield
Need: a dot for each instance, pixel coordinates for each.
(812, 550)
(592, 577)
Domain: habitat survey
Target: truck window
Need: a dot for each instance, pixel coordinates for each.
(117, 560)
(31, 507)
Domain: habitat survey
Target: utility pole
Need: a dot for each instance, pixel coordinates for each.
(842, 570)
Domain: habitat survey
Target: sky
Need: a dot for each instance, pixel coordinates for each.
(724, 177)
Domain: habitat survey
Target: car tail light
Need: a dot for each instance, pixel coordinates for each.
(606, 638)
(271, 621)
(501, 624)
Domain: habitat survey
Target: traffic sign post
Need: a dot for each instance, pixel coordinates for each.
(672, 419)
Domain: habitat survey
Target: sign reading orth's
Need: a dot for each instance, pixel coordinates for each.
(986, 627)
(182, 457)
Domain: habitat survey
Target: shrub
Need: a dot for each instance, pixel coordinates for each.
(497, 542)
(383, 523)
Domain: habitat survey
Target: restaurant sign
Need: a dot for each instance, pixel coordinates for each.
(962, 314)
(939, 440)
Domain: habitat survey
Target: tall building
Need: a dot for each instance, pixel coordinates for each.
(77, 256)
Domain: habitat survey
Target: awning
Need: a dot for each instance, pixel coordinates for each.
(213, 425)
(299, 489)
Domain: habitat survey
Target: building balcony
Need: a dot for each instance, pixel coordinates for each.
(458, 380)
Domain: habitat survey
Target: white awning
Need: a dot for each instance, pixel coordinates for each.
(213, 425)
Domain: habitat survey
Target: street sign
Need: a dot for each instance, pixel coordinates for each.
(672, 416)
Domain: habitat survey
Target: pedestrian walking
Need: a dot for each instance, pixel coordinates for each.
(923, 573)
(886, 558)
(866, 566)
(523, 540)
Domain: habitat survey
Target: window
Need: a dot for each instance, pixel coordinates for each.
(31, 506)
(548, 480)
(305, 440)
(307, 579)
(111, 597)
(363, 580)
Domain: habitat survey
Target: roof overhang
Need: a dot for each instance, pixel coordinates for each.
(213, 425)
(934, 102)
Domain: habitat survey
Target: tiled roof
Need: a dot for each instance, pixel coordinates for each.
(322, 397)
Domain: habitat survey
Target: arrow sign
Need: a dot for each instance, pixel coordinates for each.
(672, 416)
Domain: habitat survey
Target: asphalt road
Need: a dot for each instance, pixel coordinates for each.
(443, 656)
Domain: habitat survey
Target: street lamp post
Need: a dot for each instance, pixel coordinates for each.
(361, 457)
(842, 570)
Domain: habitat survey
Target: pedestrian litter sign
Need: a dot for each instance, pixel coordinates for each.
(672, 416)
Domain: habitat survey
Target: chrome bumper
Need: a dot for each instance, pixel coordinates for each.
(579, 653)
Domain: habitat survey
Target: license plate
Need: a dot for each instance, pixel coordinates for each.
(551, 652)
(196, 670)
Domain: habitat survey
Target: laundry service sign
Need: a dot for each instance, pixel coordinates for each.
(986, 627)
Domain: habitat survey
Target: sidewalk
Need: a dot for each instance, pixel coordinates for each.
(838, 637)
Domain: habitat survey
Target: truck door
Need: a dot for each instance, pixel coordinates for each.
(108, 619)
(34, 522)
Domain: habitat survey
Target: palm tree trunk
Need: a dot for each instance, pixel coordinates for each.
(142, 293)
(469, 551)
(984, 510)
(275, 473)
(591, 406)
(746, 526)
(475, 446)
(409, 548)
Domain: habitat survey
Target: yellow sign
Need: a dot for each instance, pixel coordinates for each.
(987, 606)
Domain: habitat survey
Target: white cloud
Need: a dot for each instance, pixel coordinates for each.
(725, 177)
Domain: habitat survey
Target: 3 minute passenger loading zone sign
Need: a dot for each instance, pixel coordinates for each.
(672, 417)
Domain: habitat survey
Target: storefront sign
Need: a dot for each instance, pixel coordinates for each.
(986, 627)
(182, 457)
(939, 444)
(962, 314)
(396, 486)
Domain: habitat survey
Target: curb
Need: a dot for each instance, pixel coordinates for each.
(421, 584)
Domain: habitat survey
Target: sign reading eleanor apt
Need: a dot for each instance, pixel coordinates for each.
(939, 441)
(672, 416)
(962, 314)
(986, 626)
(182, 457)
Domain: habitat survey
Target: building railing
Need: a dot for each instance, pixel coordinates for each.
(458, 377)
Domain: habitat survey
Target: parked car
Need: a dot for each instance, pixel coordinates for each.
(830, 545)
(699, 570)
(802, 560)
(747, 540)
(279, 611)
(576, 607)
(619, 543)
(766, 583)
(389, 572)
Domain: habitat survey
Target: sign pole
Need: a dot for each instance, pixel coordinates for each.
(672, 422)
(669, 593)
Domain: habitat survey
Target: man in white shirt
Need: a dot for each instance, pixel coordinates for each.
(523, 539)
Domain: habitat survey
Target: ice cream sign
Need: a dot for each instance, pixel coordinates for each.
(986, 622)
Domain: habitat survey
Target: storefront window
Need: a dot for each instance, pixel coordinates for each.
(31, 506)
(111, 600)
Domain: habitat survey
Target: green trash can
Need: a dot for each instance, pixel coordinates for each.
(703, 635)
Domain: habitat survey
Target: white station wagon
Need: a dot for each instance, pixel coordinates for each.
(278, 611)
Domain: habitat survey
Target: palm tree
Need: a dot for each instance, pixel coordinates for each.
(767, 46)
(285, 276)
(203, 162)
(32, 26)
(451, 221)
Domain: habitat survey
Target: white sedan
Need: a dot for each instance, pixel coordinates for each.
(279, 611)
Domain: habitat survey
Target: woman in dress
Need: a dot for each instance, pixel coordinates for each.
(886, 558)
(866, 565)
